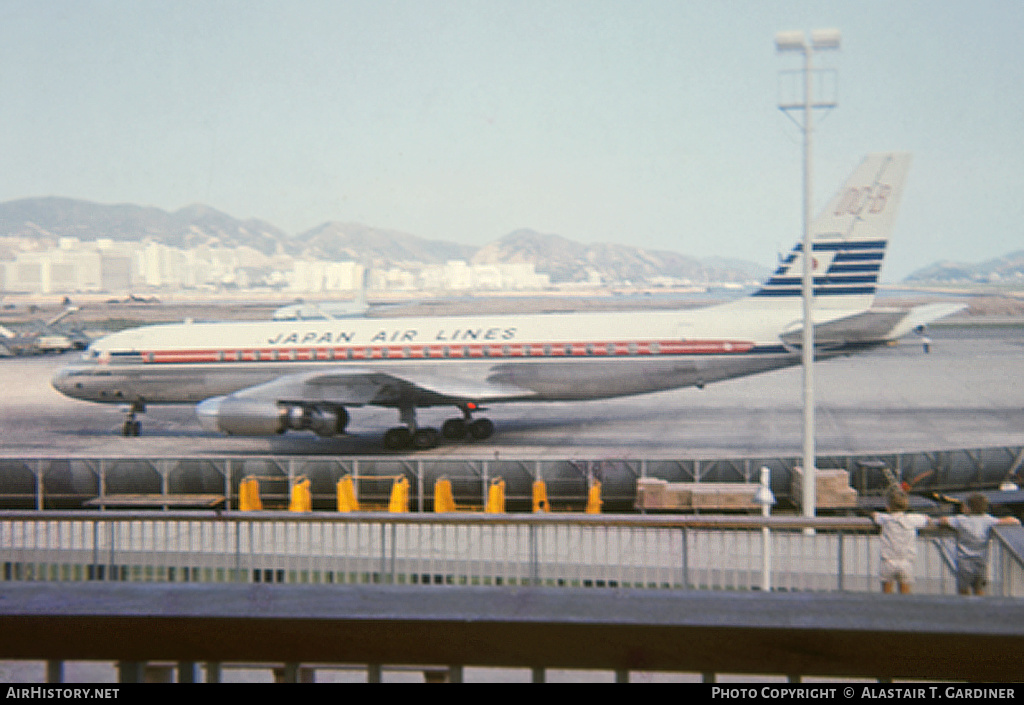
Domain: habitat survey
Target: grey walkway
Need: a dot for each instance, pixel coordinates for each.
(790, 634)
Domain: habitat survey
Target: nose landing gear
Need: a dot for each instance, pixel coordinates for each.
(132, 426)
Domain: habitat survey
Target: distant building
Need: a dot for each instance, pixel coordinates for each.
(315, 276)
(117, 267)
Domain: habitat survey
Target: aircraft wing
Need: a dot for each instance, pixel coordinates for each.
(357, 387)
(872, 326)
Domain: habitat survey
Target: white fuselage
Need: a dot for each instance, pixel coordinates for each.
(553, 356)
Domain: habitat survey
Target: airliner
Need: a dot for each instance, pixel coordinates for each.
(319, 311)
(328, 309)
(269, 377)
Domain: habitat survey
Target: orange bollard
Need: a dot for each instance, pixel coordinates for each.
(301, 500)
(399, 501)
(249, 495)
(444, 499)
(540, 497)
(347, 501)
(496, 497)
(594, 498)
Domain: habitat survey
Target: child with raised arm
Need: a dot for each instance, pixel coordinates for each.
(973, 530)
(898, 541)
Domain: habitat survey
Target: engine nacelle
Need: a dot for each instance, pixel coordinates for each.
(240, 416)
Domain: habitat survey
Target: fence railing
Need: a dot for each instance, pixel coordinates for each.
(73, 482)
(1007, 562)
(576, 550)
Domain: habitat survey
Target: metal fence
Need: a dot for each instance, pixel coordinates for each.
(574, 550)
(64, 482)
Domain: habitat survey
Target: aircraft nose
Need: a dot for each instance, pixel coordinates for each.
(62, 382)
(70, 382)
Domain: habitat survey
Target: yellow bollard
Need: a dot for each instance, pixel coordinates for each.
(444, 499)
(594, 498)
(347, 501)
(496, 497)
(301, 500)
(540, 497)
(249, 495)
(399, 496)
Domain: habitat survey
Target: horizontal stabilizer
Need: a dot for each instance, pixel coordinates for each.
(922, 316)
(872, 326)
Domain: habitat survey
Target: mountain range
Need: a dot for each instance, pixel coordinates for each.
(1008, 268)
(44, 220)
(40, 222)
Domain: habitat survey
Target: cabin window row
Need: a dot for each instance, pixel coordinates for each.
(427, 351)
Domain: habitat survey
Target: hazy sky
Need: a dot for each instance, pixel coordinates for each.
(648, 122)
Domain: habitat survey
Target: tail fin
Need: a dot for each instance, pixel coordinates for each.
(848, 238)
(364, 282)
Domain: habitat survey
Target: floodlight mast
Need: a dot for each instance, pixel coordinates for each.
(821, 39)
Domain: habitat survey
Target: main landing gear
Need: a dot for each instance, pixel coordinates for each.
(132, 426)
(412, 436)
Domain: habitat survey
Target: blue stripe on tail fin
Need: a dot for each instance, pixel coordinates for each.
(849, 236)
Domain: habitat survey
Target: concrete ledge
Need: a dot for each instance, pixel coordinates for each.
(783, 633)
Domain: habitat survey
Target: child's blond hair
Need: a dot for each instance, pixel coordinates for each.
(896, 500)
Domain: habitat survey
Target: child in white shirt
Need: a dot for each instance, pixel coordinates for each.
(898, 541)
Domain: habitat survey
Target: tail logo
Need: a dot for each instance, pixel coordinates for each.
(854, 200)
(840, 268)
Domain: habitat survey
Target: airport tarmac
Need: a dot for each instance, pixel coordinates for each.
(967, 392)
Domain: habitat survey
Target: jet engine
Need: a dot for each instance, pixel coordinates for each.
(253, 417)
(321, 420)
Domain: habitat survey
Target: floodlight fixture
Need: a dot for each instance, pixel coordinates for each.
(796, 40)
(790, 41)
(825, 39)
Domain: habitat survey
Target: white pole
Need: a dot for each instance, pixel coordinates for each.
(798, 41)
(765, 497)
(809, 494)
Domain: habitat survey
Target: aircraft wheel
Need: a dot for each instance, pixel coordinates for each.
(454, 429)
(342, 423)
(481, 429)
(131, 428)
(425, 438)
(397, 438)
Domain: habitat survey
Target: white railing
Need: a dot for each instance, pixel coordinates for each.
(674, 552)
(1007, 568)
